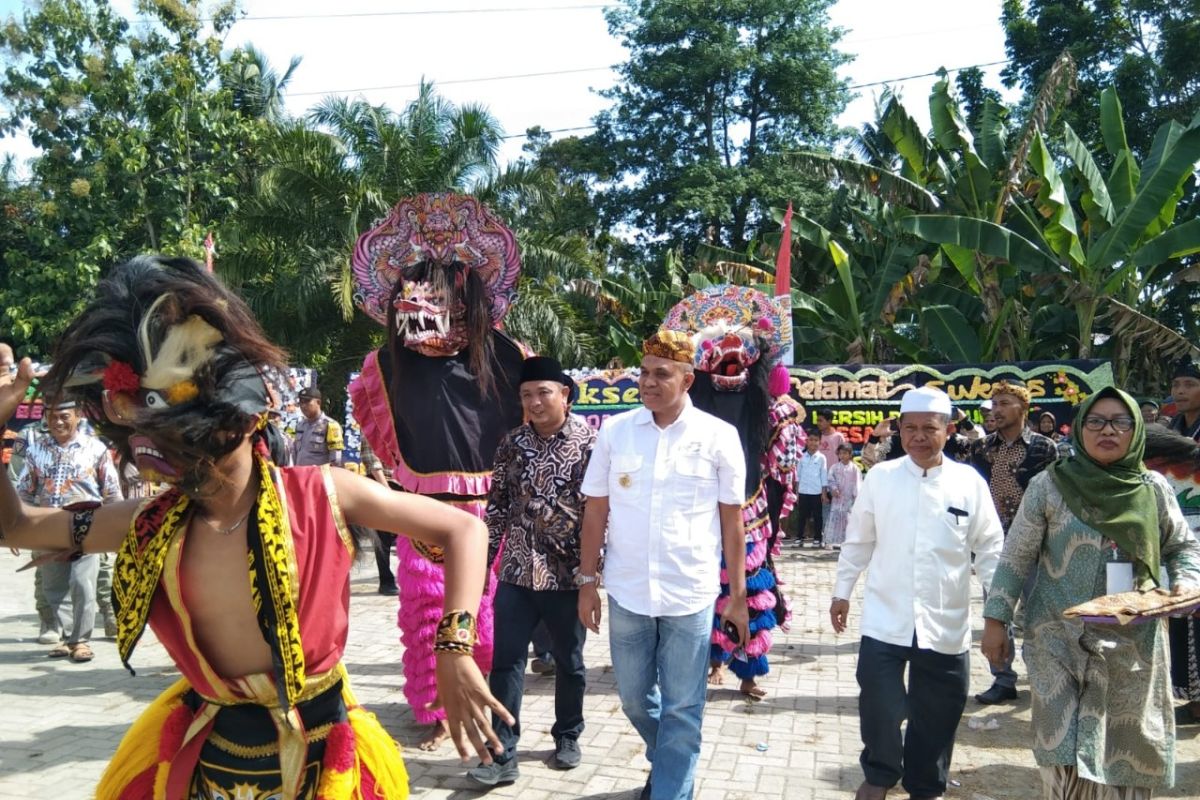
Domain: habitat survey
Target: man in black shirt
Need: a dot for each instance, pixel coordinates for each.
(1185, 391)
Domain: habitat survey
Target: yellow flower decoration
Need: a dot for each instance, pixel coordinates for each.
(1068, 390)
(182, 392)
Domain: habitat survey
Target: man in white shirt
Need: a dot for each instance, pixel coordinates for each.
(668, 481)
(812, 486)
(913, 528)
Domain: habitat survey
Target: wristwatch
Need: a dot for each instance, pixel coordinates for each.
(582, 580)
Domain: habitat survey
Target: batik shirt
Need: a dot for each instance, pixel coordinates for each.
(55, 475)
(535, 506)
(1009, 466)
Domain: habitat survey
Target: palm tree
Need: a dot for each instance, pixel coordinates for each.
(257, 87)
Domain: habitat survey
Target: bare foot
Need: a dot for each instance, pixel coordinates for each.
(752, 690)
(439, 734)
(716, 675)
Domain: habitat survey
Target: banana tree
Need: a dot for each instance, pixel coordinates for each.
(861, 277)
(957, 173)
(1096, 236)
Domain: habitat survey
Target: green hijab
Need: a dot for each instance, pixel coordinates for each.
(1116, 499)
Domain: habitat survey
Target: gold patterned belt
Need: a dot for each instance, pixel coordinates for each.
(317, 734)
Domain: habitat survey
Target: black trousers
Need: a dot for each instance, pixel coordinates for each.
(809, 506)
(933, 704)
(383, 558)
(518, 612)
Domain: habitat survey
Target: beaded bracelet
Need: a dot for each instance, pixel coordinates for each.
(456, 633)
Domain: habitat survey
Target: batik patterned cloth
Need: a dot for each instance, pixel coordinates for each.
(1101, 693)
(535, 506)
(55, 475)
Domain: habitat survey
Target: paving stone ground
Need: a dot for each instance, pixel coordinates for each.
(60, 722)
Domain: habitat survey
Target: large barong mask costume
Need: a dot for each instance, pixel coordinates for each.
(739, 335)
(733, 328)
(430, 267)
(440, 273)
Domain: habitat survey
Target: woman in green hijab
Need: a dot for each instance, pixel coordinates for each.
(1093, 524)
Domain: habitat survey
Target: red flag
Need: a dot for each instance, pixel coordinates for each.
(210, 248)
(783, 285)
(783, 259)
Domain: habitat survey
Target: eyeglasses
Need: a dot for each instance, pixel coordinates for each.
(1119, 424)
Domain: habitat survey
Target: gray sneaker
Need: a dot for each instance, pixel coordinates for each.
(49, 635)
(495, 773)
(566, 754)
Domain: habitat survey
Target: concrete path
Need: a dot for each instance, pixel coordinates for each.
(62, 721)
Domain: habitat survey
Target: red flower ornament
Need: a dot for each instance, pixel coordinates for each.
(119, 378)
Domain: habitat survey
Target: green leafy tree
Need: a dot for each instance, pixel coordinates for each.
(952, 172)
(712, 95)
(141, 146)
(1144, 49)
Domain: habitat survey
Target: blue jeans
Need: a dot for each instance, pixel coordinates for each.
(661, 664)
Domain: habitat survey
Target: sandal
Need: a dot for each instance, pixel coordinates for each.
(81, 653)
(60, 650)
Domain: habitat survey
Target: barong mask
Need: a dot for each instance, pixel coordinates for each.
(733, 327)
(158, 359)
(435, 270)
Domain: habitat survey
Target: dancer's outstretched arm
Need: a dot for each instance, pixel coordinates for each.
(463, 538)
(23, 525)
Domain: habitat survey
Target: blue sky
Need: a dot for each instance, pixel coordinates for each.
(351, 55)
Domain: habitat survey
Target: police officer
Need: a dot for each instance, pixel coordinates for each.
(318, 438)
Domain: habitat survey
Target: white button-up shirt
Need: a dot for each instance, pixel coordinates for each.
(663, 550)
(812, 473)
(904, 531)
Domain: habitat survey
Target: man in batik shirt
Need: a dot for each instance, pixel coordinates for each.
(535, 510)
(62, 466)
(1008, 458)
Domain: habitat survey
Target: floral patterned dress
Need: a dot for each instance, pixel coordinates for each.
(844, 480)
(1101, 693)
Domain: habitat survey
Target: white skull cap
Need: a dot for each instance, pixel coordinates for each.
(927, 399)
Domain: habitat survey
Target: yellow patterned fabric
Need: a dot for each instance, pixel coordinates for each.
(275, 539)
(140, 562)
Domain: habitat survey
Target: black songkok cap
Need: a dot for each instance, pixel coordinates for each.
(1187, 368)
(310, 393)
(544, 368)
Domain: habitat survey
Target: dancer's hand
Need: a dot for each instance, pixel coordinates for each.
(13, 388)
(464, 694)
(589, 607)
(995, 642)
